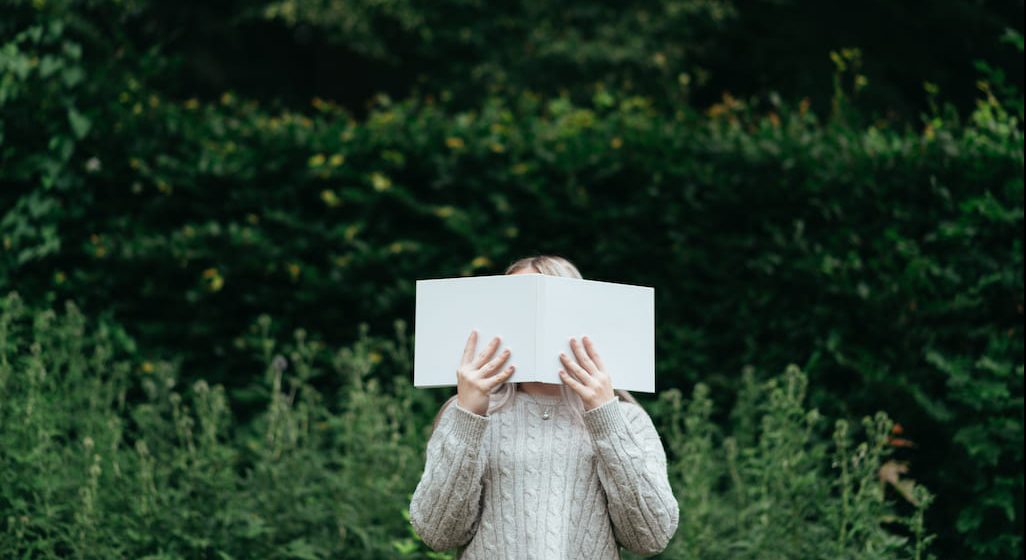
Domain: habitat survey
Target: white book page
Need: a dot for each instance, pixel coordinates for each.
(618, 318)
(449, 308)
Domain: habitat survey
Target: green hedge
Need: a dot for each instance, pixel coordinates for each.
(887, 263)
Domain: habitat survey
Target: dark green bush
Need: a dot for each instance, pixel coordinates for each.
(886, 262)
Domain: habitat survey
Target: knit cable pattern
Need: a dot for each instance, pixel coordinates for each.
(513, 485)
(632, 468)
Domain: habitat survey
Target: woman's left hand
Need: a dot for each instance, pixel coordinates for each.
(587, 377)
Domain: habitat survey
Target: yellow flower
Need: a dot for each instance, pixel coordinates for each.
(59, 277)
(294, 270)
(252, 218)
(479, 262)
(928, 132)
(395, 247)
(147, 367)
(99, 249)
(375, 357)
(726, 106)
(351, 231)
(380, 182)
(214, 280)
(329, 198)
(444, 211)
(454, 142)
(616, 142)
(497, 148)
(316, 160)
(337, 160)
(838, 61)
(192, 104)
(227, 98)
(520, 169)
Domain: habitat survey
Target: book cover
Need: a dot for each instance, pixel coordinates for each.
(535, 315)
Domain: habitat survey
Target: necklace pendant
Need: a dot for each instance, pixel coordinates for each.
(545, 414)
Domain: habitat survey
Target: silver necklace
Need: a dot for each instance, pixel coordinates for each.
(545, 413)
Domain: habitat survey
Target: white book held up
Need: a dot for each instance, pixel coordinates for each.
(535, 315)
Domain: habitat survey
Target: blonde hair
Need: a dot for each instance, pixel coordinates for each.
(505, 393)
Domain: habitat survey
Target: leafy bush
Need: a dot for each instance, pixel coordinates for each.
(89, 471)
(774, 488)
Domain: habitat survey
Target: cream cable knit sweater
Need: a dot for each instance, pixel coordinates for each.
(514, 485)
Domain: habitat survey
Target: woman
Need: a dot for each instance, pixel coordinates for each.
(540, 470)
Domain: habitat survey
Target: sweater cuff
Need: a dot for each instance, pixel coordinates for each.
(605, 418)
(467, 426)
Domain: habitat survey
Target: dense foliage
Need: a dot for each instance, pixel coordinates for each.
(886, 260)
(90, 470)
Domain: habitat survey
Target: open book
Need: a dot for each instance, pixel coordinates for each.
(535, 315)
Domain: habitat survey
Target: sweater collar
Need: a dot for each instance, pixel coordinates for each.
(540, 399)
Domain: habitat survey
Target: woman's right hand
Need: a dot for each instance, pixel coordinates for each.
(476, 377)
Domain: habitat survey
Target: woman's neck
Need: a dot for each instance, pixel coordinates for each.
(541, 389)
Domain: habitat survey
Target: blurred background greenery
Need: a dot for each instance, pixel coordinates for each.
(819, 192)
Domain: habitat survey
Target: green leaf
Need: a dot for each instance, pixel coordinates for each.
(80, 124)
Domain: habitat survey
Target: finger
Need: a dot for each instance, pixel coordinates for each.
(571, 382)
(495, 364)
(468, 349)
(582, 356)
(579, 372)
(486, 353)
(500, 378)
(589, 345)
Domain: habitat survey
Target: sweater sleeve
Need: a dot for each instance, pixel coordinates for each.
(632, 469)
(445, 509)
